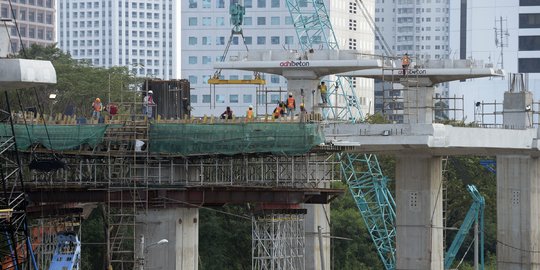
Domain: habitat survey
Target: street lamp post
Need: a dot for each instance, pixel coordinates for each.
(144, 250)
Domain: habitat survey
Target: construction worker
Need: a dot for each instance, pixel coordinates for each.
(324, 91)
(148, 103)
(405, 62)
(303, 113)
(227, 114)
(279, 110)
(250, 114)
(291, 105)
(97, 107)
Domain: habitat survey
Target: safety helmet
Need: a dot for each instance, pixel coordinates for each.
(98, 100)
(150, 92)
(251, 106)
(290, 94)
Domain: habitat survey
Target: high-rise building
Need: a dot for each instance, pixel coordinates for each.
(505, 33)
(267, 24)
(419, 28)
(143, 35)
(35, 20)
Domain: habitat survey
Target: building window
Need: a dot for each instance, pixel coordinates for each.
(525, 3)
(274, 40)
(261, 40)
(221, 4)
(274, 78)
(274, 3)
(192, 41)
(289, 40)
(192, 21)
(192, 60)
(261, 3)
(220, 21)
(288, 20)
(529, 20)
(206, 4)
(206, 41)
(261, 99)
(529, 65)
(192, 79)
(193, 98)
(220, 40)
(192, 3)
(529, 43)
(261, 20)
(206, 21)
(206, 60)
(274, 98)
(206, 99)
(248, 3)
(248, 99)
(274, 20)
(220, 98)
(248, 40)
(233, 98)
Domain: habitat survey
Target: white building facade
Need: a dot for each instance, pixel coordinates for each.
(267, 25)
(475, 33)
(143, 35)
(35, 19)
(419, 28)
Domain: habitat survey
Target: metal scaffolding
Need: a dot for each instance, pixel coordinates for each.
(278, 240)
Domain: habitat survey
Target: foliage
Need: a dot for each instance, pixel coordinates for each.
(225, 239)
(461, 172)
(93, 242)
(358, 252)
(376, 118)
(78, 83)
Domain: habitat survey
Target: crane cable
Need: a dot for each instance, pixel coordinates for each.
(44, 165)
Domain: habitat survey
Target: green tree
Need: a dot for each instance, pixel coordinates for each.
(93, 241)
(225, 239)
(78, 83)
(358, 252)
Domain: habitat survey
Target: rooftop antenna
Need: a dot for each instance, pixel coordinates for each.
(501, 36)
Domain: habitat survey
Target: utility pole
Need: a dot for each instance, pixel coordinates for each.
(501, 36)
(321, 248)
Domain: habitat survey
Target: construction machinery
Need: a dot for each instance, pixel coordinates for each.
(362, 172)
(237, 12)
(475, 215)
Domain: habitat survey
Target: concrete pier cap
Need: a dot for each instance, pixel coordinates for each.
(303, 70)
(25, 73)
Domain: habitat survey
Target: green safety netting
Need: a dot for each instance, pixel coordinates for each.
(62, 137)
(183, 139)
(229, 139)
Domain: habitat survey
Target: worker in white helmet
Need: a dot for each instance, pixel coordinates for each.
(250, 114)
(148, 103)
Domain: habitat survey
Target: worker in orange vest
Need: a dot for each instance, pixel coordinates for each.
(279, 110)
(405, 62)
(250, 115)
(291, 105)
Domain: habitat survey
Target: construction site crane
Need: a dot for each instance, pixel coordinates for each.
(362, 172)
(237, 12)
(475, 215)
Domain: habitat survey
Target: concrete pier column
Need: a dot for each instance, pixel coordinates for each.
(518, 213)
(305, 90)
(418, 100)
(317, 215)
(419, 240)
(180, 226)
